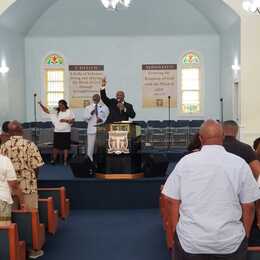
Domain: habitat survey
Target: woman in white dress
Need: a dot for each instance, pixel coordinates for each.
(62, 121)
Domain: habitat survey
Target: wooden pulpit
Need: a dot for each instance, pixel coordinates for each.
(122, 157)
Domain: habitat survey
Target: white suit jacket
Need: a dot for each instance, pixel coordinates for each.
(92, 119)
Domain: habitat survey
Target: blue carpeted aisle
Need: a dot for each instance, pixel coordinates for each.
(110, 235)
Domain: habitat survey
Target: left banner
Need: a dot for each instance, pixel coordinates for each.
(84, 82)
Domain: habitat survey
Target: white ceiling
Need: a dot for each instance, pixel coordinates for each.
(144, 17)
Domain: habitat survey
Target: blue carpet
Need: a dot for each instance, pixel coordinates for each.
(110, 235)
(55, 172)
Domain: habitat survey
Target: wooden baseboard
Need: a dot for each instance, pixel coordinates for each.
(119, 176)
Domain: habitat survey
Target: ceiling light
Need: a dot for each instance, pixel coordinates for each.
(251, 6)
(115, 4)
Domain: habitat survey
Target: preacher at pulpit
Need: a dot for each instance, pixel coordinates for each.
(119, 109)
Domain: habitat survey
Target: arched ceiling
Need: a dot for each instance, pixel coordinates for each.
(4, 4)
(144, 17)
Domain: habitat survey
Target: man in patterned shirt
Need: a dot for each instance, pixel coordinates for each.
(26, 160)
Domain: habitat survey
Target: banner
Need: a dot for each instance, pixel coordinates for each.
(85, 81)
(159, 83)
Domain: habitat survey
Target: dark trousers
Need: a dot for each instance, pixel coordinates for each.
(179, 254)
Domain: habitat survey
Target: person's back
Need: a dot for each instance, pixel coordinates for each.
(8, 185)
(25, 158)
(239, 148)
(211, 194)
(210, 210)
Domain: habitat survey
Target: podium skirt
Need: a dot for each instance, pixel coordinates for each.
(61, 141)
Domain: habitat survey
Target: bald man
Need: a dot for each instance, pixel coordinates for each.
(211, 194)
(119, 110)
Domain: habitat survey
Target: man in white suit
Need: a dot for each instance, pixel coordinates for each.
(95, 114)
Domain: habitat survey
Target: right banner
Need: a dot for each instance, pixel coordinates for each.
(159, 83)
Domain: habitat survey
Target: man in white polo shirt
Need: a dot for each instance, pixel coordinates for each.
(211, 194)
(8, 184)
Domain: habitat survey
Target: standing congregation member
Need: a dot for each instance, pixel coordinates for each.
(119, 110)
(4, 136)
(256, 146)
(244, 151)
(239, 148)
(26, 160)
(8, 186)
(95, 114)
(211, 194)
(62, 121)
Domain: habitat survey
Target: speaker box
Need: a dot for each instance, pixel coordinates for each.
(82, 167)
(155, 165)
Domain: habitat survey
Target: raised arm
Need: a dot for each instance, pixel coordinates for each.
(45, 109)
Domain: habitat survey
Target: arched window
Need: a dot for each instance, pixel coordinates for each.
(190, 84)
(54, 79)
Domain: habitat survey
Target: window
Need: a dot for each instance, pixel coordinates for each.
(54, 80)
(190, 84)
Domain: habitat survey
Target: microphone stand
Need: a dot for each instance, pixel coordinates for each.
(221, 110)
(169, 121)
(35, 119)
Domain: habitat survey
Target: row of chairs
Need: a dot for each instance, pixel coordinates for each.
(155, 134)
(30, 225)
(142, 123)
(253, 251)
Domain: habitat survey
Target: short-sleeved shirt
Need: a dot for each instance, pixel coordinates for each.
(240, 149)
(25, 158)
(211, 185)
(62, 127)
(7, 173)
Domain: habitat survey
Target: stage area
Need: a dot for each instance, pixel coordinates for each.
(92, 193)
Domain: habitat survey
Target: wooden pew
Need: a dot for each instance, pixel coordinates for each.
(11, 247)
(29, 228)
(164, 209)
(61, 203)
(48, 215)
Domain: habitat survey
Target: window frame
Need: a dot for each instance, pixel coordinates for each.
(56, 67)
(46, 83)
(182, 66)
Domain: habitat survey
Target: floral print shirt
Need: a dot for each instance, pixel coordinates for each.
(25, 158)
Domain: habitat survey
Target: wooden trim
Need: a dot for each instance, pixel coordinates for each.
(254, 249)
(13, 241)
(120, 176)
(35, 229)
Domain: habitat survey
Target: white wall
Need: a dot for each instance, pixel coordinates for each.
(12, 84)
(123, 57)
(250, 76)
(230, 52)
